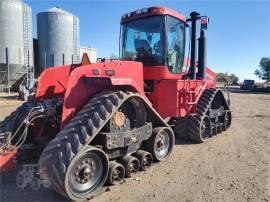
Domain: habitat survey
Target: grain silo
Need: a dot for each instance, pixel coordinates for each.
(16, 46)
(58, 38)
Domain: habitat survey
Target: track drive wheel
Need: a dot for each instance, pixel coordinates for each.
(131, 165)
(131, 114)
(116, 173)
(86, 174)
(161, 143)
(145, 158)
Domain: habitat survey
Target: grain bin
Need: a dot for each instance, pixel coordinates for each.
(58, 38)
(16, 46)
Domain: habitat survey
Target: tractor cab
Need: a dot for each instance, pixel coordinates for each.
(154, 36)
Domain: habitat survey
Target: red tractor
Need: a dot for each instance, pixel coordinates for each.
(98, 123)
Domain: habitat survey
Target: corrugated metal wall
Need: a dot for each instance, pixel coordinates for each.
(16, 36)
(58, 38)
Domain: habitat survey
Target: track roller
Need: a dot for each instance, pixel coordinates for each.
(214, 130)
(131, 165)
(116, 173)
(145, 158)
(220, 128)
(161, 143)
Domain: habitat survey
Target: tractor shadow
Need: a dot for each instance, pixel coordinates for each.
(182, 141)
(10, 191)
(9, 97)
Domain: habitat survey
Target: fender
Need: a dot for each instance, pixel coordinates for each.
(52, 82)
(85, 81)
(211, 77)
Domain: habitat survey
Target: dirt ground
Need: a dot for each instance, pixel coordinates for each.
(234, 166)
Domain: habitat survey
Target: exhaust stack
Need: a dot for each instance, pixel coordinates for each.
(194, 16)
(202, 50)
(202, 55)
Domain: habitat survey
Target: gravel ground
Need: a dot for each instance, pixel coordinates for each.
(234, 166)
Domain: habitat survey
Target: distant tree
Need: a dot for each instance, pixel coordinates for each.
(222, 77)
(225, 77)
(113, 56)
(233, 79)
(263, 72)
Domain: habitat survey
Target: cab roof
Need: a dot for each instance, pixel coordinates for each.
(151, 11)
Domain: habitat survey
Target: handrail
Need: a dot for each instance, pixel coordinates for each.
(202, 87)
(226, 86)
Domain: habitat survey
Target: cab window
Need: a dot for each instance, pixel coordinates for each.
(175, 44)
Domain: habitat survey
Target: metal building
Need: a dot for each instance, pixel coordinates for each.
(91, 52)
(16, 46)
(58, 38)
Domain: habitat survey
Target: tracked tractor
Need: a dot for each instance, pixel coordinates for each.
(95, 124)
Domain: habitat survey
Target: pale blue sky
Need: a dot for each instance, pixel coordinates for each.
(238, 33)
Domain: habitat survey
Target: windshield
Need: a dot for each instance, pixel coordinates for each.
(142, 40)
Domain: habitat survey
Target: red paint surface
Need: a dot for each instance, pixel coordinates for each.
(172, 96)
(53, 82)
(155, 11)
(7, 162)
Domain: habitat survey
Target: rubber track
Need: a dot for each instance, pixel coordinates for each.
(181, 127)
(14, 120)
(204, 104)
(78, 133)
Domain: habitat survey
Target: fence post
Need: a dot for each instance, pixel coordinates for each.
(7, 62)
(45, 60)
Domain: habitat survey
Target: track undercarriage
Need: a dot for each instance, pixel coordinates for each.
(213, 116)
(115, 135)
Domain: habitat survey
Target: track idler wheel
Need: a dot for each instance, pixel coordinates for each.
(116, 173)
(227, 119)
(145, 158)
(205, 128)
(86, 174)
(131, 165)
(161, 143)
